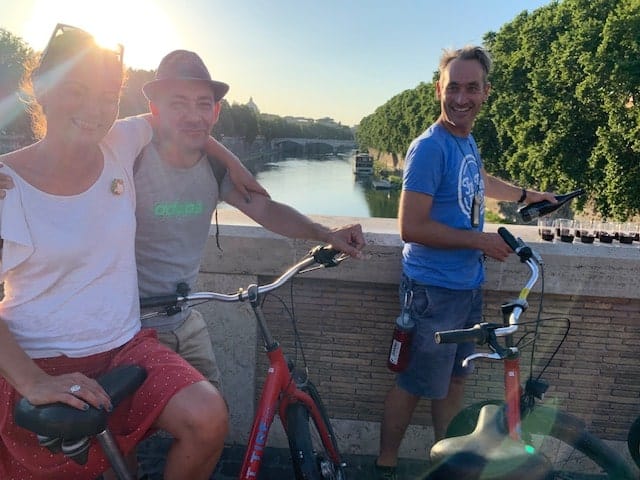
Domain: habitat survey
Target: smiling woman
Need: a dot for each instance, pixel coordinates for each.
(119, 21)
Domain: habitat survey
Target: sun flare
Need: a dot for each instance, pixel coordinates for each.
(145, 30)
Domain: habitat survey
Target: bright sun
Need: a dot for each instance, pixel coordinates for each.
(144, 29)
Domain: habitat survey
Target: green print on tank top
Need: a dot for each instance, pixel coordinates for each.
(177, 209)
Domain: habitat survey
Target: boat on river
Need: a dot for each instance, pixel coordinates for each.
(362, 164)
(381, 184)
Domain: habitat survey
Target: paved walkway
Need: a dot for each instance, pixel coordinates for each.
(277, 466)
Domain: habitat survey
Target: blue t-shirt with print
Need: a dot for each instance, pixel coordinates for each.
(449, 169)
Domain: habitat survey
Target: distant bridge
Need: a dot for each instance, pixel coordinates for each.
(304, 142)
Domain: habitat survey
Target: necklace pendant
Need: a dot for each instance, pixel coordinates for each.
(117, 186)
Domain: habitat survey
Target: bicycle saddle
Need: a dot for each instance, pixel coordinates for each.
(487, 453)
(59, 420)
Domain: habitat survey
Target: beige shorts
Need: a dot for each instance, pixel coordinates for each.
(192, 341)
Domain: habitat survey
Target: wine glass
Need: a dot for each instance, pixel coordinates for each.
(587, 229)
(546, 228)
(566, 230)
(626, 233)
(606, 232)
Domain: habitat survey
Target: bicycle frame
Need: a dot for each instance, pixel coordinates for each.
(279, 391)
(512, 397)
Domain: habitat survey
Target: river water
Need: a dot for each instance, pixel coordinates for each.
(325, 185)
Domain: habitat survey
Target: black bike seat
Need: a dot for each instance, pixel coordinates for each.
(59, 420)
(495, 455)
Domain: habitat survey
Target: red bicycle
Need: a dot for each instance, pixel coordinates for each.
(516, 438)
(287, 392)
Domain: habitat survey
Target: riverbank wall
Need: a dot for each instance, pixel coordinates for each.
(390, 161)
(254, 154)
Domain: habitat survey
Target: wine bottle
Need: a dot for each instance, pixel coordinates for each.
(400, 348)
(544, 207)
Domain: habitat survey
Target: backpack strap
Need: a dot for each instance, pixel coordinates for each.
(1, 240)
(136, 162)
(219, 171)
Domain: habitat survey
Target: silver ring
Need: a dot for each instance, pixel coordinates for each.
(74, 388)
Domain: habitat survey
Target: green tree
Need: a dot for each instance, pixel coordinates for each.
(133, 101)
(15, 54)
(615, 160)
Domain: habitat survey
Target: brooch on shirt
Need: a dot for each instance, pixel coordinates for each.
(117, 186)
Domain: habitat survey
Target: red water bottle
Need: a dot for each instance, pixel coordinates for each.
(400, 348)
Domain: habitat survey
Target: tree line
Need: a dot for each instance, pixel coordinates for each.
(564, 109)
(236, 120)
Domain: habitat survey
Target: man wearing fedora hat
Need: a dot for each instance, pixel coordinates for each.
(177, 192)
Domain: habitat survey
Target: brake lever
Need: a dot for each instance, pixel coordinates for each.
(327, 257)
(489, 356)
(530, 251)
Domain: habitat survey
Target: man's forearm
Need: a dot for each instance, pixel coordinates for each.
(438, 235)
(289, 222)
(501, 190)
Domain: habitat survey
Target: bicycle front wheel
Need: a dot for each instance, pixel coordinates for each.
(309, 452)
(633, 441)
(572, 450)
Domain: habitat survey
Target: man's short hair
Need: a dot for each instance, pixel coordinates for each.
(469, 52)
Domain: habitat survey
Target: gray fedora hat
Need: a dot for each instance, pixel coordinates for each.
(183, 65)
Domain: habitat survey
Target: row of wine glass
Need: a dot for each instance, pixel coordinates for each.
(588, 231)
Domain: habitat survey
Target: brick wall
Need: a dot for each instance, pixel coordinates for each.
(346, 329)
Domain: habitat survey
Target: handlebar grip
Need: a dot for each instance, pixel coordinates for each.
(159, 301)
(475, 334)
(508, 238)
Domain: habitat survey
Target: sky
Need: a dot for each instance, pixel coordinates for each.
(329, 58)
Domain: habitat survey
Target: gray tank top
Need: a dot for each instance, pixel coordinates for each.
(173, 212)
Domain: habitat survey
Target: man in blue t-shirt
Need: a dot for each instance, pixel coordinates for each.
(441, 222)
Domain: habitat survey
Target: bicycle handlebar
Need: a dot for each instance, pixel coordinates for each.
(324, 256)
(482, 333)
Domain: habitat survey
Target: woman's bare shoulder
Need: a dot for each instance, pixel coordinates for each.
(17, 158)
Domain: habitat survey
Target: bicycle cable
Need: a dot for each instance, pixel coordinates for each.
(297, 342)
(540, 303)
(539, 322)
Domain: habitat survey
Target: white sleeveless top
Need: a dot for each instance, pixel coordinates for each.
(68, 262)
